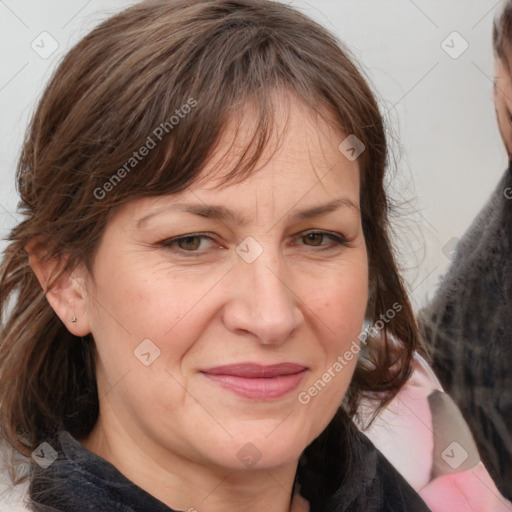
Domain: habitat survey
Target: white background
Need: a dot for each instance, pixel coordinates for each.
(446, 142)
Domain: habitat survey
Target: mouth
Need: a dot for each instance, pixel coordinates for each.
(257, 382)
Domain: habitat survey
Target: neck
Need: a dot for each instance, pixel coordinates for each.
(184, 484)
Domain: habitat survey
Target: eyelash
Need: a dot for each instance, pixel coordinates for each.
(337, 240)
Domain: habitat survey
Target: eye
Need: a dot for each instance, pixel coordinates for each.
(191, 243)
(188, 243)
(315, 239)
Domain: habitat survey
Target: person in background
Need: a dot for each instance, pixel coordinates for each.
(468, 324)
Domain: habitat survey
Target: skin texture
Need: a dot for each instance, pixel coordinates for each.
(503, 103)
(168, 427)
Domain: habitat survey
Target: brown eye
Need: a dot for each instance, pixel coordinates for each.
(189, 243)
(193, 244)
(324, 240)
(315, 239)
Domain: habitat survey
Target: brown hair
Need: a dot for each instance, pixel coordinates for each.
(502, 34)
(110, 94)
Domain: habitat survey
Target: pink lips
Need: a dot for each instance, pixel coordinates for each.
(256, 381)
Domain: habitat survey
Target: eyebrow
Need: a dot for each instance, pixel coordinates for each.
(222, 213)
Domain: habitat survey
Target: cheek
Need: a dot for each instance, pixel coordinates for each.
(341, 305)
(141, 303)
(341, 310)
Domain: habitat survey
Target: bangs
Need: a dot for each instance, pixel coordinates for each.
(249, 133)
(242, 137)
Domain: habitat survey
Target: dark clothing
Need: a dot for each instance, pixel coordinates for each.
(468, 326)
(81, 481)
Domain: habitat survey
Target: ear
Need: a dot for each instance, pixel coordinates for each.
(68, 295)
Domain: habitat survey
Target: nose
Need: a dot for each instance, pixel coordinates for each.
(262, 301)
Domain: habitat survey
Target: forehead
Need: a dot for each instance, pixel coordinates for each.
(298, 138)
(300, 167)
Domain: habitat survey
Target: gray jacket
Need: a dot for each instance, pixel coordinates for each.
(468, 327)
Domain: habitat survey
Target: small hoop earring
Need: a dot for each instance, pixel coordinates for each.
(73, 319)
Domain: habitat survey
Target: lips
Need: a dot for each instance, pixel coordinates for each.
(257, 381)
(253, 371)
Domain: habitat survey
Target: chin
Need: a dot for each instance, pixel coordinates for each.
(272, 448)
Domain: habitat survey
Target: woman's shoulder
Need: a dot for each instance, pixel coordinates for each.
(13, 498)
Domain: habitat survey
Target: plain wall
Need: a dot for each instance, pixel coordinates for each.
(438, 106)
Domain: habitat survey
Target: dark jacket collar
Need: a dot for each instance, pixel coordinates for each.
(79, 480)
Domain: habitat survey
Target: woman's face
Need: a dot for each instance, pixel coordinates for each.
(503, 102)
(219, 314)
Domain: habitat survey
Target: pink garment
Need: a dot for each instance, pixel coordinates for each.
(423, 434)
(468, 490)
